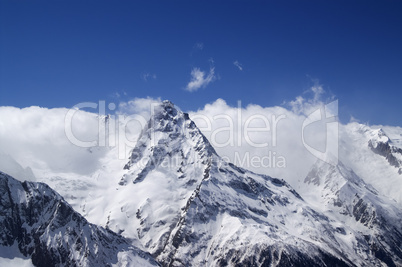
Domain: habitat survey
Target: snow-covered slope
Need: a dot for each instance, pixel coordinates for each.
(374, 156)
(37, 224)
(375, 220)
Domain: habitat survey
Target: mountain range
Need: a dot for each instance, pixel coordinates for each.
(176, 202)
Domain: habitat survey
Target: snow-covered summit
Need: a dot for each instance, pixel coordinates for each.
(169, 132)
(377, 136)
(381, 144)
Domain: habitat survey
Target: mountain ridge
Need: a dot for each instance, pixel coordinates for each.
(178, 200)
(47, 230)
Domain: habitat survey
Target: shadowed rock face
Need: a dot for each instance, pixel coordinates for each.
(47, 230)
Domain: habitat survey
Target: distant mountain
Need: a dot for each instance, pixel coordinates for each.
(381, 144)
(375, 220)
(44, 228)
(13, 168)
(374, 154)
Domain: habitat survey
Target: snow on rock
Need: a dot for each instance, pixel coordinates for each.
(374, 220)
(381, 144)
(361, 147)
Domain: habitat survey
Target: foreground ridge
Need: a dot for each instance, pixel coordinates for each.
(44, 228)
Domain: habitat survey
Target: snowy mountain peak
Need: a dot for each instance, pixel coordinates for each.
(378, 136)
(165, 116)
(382, 145)
(344, 196)
(327, 175)
(169, 133)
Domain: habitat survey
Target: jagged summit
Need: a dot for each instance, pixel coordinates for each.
(169, 131)
(167, 109)
(164, 116)
(381, 144)
(377, 136)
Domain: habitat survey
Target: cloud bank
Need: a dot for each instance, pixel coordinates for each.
(36, 137)
(267, 140)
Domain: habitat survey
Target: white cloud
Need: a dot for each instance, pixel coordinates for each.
(302, 105)
(147, 76)
(269, 134)
(238, 65)
(353, 119)
(200, 79)
(317, 90)
(199, 46)
(35, 137)
(282, 142)
(137, 106)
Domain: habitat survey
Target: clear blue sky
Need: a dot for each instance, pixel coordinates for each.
(60, 53)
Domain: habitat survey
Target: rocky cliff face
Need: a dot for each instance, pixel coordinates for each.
(380, 144)
(46, 229)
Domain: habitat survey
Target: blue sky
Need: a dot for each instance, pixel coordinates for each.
(60, 53)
